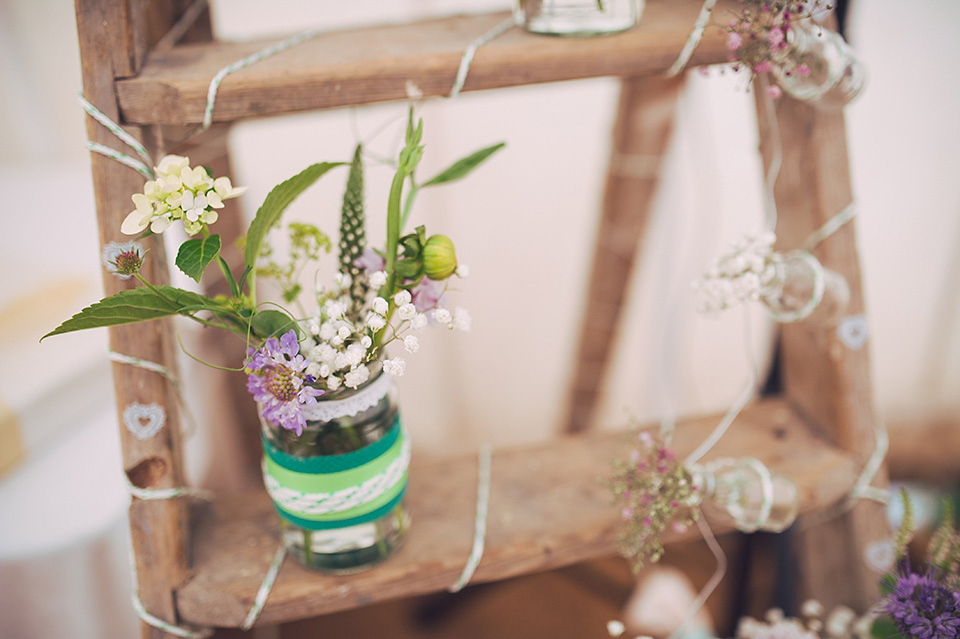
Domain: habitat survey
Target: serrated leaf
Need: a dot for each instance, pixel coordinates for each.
(463, 166)
(136, 305)
(276, 202)
(194, 255)
(272, 323)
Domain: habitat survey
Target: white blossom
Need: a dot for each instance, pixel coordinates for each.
(356, 377)
(407, 311)
(395, 366)
(461, 319)
(402, 297)
(327, 331)
(343, 280)
(366, 342)
(380, 306)
(377, 279)
(333, 382)
(411, 343)
(313, 368)
(442, 316)
(344, 331)
(463, 271)
(419, 321)
(376, 322)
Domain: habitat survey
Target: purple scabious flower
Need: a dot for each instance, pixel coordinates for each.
(276, 381)
(923, 607)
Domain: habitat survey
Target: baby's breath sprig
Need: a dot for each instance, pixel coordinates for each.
(653, 490)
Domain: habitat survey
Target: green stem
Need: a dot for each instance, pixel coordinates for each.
(408, 204)
(393, 240)
(307, 546)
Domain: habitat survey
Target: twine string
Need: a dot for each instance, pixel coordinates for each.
(714, 581)
(180, 28)
(153, 620)
(467, 59)
(693, 39)
(265, 587)
(160, 369)
(124, 137)
(480, 519)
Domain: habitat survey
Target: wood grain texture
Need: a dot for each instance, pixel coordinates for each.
(642, 129)
(374, 64)
(823, 379)
(547, 509)
(111, 39)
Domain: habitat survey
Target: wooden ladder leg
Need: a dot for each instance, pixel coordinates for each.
(114, 38)
(645, 116)
(825, 380)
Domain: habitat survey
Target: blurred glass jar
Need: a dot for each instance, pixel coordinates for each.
(577, 17)
(824, 69)
(803, 289)
(744, 493)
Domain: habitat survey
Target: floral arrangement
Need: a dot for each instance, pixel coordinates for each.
(740, 275)
(841, 623)
(320, 341)
(758, 37)
(654, 490)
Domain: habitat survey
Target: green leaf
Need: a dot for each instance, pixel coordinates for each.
(272, 323)
(276, 202)
(888, 583)
(136, 305)
(463, 166)
(194, 255)
(884, 628)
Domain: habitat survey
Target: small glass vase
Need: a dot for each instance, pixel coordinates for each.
(745, 493)
(578, 18)
(833, 74)
(339, 487)
(803, 289)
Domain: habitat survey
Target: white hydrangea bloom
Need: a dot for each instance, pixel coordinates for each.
(402, 298)
(395, 366)
(411, 343)
(407, 311)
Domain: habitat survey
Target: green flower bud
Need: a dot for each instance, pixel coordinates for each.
(439, 257)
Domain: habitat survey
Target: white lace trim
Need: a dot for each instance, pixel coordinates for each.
(328, 410)
(341, 500)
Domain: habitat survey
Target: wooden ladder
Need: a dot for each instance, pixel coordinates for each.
(203, 565)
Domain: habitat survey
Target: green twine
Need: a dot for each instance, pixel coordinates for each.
(692, 40)
(143, 167)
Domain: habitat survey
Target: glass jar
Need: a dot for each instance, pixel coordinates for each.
(577, 17)
(832, 75)
(745, 493)
(339, 486)
(802, 289)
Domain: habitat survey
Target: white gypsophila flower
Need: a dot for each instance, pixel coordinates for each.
(461, 319)
(327, 354)
(615, 628)
(334, 309)
(315, 354)
(333, 382)
(376, 322)
(366, 342)
(395, 366)
(442, 316)
(323, 371)
(344, 331)
(336, 340)
(839, 621)
(343, 280)
(811, 608)
(314, 369)
(402, 297)
(356, 377)
(463, 271)
(380, 305)
(419, 321)
(407, 311)
(314, 326)
(411, 343)
(327, 331)
(355, 353)
(307, 344)
(342, 361)
(377, 279)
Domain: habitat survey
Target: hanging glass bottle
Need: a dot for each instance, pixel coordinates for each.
(820, 67)
(577, 17)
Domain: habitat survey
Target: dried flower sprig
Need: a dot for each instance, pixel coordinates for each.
(653, 490)
(841, 623)
(739, 275)
(758, 37)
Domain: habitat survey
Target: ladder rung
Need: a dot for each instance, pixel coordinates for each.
(374, 64)
(547, 510)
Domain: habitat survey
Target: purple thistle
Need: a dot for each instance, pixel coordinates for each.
(276, 381)
(923, 607)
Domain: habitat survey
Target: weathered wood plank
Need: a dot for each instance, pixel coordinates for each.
(547, 509)
(642, 129)
(375, 64)
(824, 379)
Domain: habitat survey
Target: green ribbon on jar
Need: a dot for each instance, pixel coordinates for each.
(335, 491)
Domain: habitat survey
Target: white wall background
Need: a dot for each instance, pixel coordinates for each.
(524, 223)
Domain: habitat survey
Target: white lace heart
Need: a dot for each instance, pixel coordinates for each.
(853, 331)
(144, 420)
